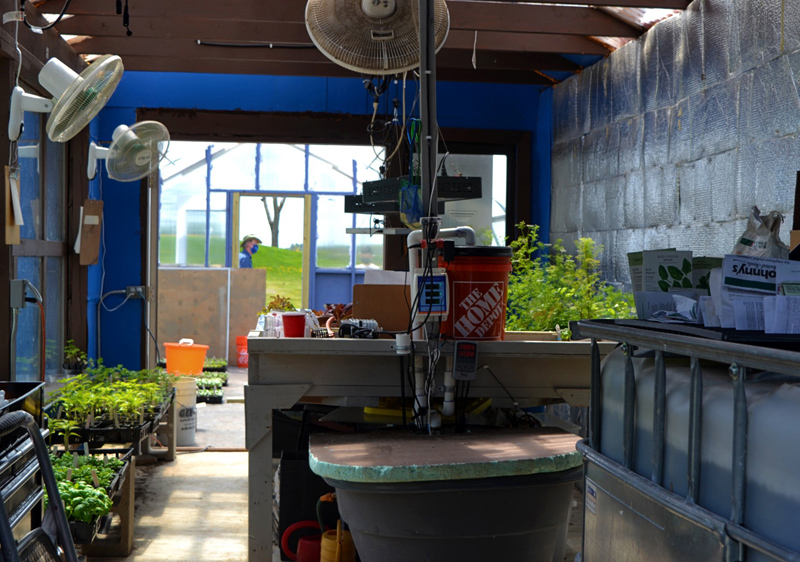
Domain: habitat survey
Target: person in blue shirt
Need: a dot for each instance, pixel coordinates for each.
(249, 247)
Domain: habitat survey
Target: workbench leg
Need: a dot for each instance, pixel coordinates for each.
(259, 401)
(124, 508)
(260, 483)
(165, 433)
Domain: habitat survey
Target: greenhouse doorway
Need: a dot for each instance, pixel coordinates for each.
(283, 225)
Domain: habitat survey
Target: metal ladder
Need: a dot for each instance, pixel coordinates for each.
(52, 541)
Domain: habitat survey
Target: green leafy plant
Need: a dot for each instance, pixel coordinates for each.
(74, 357)
(549, 286)
(278, 303)
(214, 363)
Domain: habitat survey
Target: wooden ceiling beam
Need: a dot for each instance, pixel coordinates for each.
(186, 49)
(499, 60)
(189, 28)
(487, 41)
(662, 4)
(532, 18)
(279, 10)
(471, 16)
(322, 69)
(525, 42)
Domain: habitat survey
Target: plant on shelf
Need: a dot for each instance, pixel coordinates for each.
(215, 363)
(106, 397)
(75, 359)
(279, 303)
(549, 287)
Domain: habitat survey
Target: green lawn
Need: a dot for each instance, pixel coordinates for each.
(284, 272)
(284, 267)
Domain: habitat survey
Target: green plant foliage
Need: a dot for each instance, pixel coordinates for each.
(74, 357)
(550, 287)
(108, 395)
(82, 501)
(215, 362)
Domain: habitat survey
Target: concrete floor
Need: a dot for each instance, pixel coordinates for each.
(195, 509)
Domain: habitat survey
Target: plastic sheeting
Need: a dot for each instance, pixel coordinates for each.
(671, 140)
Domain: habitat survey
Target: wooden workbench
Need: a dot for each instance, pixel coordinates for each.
(357, 372)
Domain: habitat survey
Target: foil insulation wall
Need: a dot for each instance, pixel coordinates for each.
(673, 138)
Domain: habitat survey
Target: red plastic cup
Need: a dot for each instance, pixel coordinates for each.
(294, 324)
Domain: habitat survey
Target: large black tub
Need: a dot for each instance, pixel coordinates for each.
(493, 495)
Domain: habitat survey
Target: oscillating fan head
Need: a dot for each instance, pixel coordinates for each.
(351, 38)
(136, 150)
(84, 98)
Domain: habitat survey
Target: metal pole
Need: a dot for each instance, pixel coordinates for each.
(430, 128)
(629, 409)
(659, 418)
(739, 447)
(596, 398)
(695, 429)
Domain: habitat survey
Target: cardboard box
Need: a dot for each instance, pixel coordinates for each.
(388, 304)
(794, 239)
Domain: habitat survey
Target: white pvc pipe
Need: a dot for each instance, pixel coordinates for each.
(415, 257)
(449, 405)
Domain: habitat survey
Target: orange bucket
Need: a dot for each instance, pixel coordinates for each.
(185, 357)
(242, 358)
(478, 279)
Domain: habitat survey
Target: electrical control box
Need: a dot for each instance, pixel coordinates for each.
(465, 360)
(431, 293)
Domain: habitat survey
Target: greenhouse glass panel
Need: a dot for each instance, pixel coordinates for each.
(333, 242)
(342, 169)
(282, 167)
(233, 166)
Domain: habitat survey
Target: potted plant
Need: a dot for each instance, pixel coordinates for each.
(549, 287)
(74, 359)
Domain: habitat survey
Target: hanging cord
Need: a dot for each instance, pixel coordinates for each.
(37, 298)
(403, 128)
(37, 29)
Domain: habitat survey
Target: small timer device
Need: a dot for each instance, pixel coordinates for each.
(431, 293)
(465, 360)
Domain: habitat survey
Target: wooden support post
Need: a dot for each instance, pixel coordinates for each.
(122, 544)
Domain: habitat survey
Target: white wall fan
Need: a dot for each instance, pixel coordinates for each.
(373, 37)
(134, 153)
(77, 97)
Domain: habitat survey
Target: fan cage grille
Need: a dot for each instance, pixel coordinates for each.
(84, 98)
(344, 33)
(125, 162)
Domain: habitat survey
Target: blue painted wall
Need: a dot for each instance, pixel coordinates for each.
(460, 105)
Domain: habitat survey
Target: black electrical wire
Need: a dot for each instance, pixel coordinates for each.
(204, 43)
(402, 391)
(514, 400)
(49, 25)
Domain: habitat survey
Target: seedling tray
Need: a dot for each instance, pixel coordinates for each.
(214, 399)
(123, 454)
(84, 533)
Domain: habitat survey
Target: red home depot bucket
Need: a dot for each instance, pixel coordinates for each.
(478, 280)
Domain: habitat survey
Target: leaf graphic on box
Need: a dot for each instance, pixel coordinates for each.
(662, 272)
(675, 273)
(664, 285)
(687, 266)
(677, 285)
(687, 283)
(702, 283)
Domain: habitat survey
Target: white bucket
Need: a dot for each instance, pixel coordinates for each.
(186, 402)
